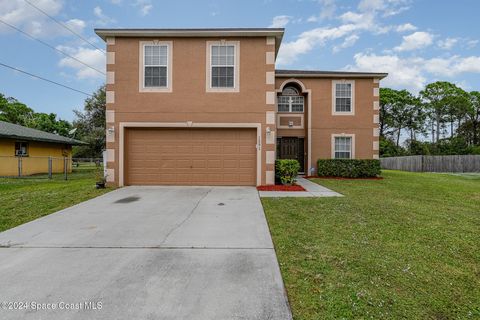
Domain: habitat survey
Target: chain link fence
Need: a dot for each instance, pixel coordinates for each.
(38, 167)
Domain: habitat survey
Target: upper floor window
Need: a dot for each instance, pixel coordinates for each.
(155, 73)
(343, 97)
(222, 68)
(156, 65)
(290, 100)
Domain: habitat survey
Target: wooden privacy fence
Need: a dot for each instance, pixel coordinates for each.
(455, 163)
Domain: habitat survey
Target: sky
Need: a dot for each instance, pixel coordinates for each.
(415, 41)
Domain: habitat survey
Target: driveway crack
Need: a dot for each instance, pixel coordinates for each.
(186, 218)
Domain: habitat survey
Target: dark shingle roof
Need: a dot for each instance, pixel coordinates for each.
(15, 131)
(318, 73)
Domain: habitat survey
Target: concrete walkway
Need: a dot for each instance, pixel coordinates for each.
(147, 253)
(312, 190)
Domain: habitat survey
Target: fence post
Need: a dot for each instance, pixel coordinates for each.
(20, 166)
(65, 167)
(49, 167)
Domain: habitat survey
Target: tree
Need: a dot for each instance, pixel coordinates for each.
(49, 123)
(473, 116)
(399, 110)
(13, 111)
(90, 125)
(442, 100)
(387, 100)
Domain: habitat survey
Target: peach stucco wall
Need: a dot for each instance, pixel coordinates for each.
(188, 99)
(324, 123)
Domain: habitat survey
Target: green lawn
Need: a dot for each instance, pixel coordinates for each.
(23, 200)
(406, 247)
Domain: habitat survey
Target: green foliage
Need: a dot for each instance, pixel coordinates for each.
(287, 170)
(388, 148)
(348, 168)
(399, 110)
(90, 124)
(13, 111)
(444, 102)
(415, 147)
(450, 115)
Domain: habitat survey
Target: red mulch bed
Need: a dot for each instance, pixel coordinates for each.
(279, 187)
(342, 178)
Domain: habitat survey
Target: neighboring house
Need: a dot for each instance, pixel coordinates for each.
(30, 150)
(207, 107)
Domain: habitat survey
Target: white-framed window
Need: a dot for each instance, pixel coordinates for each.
(343, 94)
(290, 100)
(222, 66)
(155, 66)
(343, 146)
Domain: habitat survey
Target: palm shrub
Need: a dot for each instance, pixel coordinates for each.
(287, 170)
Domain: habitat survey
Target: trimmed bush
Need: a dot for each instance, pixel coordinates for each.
(349, 168)
(287, 170)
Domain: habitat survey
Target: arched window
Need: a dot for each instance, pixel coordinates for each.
(290, 100)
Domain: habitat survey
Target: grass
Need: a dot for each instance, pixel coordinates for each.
(406, 247)
(23, 200)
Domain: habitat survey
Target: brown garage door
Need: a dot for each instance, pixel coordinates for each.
(190, 156)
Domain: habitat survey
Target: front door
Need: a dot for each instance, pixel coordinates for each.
(291, 148)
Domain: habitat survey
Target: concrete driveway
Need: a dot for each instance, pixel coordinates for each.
(145, 253)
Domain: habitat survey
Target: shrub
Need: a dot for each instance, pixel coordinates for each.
(349, 168)
(287, 170)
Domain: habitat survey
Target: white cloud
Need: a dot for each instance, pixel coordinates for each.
(308, 40)
(412, 72)
(472, 43)
(144, 6)
(447, 44)
(414, 41)
(327, 11)
(348, 42)
(405, 27)
(91, 57)
(280, 21)
(103, 19)
(385, 7)
(20, 14)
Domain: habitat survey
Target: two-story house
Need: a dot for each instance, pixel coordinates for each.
(207, 107)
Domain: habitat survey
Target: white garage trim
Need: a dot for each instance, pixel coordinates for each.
(187, 124)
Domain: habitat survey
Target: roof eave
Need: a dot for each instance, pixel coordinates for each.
(331, 75)
(168, 33)
(73, 142)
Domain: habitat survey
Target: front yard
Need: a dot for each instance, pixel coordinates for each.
(23, 200)
(406, 247)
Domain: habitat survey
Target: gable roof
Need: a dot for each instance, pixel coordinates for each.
(15, 131)
(206, 32)
(328, 74)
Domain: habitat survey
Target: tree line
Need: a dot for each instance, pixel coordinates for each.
(441, 119)
(89, 122)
